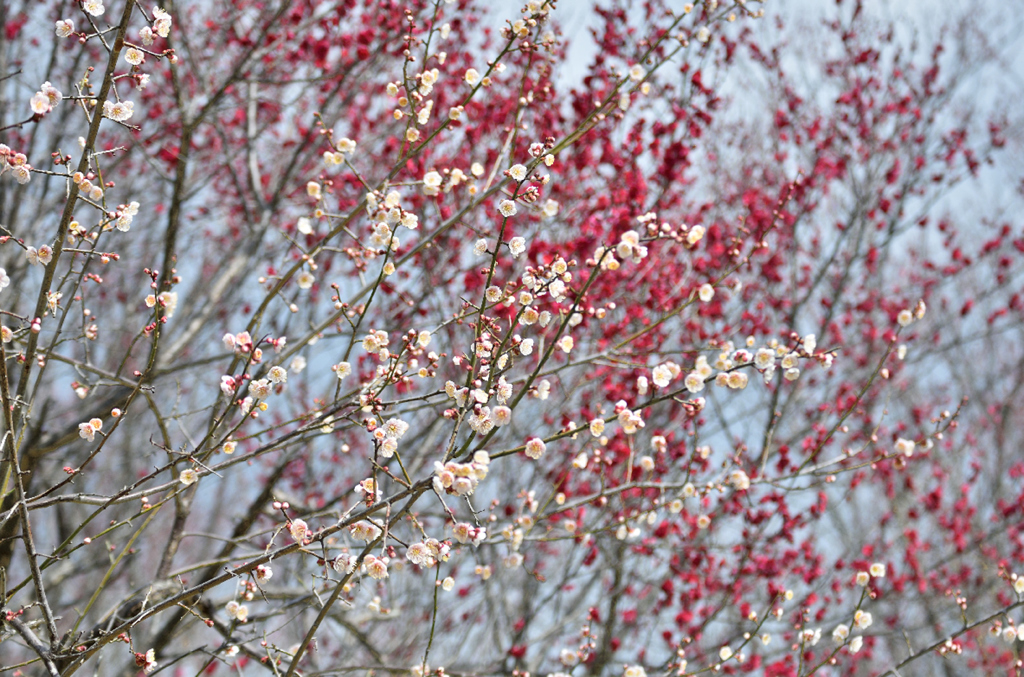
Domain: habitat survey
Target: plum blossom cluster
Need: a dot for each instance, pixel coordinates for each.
(387, 435)
(376, 567)
(16, 163)
(365, 531)
(239, 612)
(88, 430)
(630, 421)
(461, 479)
(242, 344)
(124, 216)
(428, 553)
(119, 111)
(484, 418)
(370, 490)
(43, 101)
(39, 257)
(628, 248)
(387, 214)
(167, 300)
(481, 352)
(548, 280)
(876, 570)
(376, 343)
(906, 316)
(161, 22)
(464, 532)
(665, 373)
(84, 182)
(765, 360)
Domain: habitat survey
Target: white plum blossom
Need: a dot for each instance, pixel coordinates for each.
(263, 573)
(88, 429)
(661, 375)
(501, 415)
(161, 22)
(237, 611)
(507, 208)
(64, 28)
(119, 111)
(736, 380)
(39, 257)
(260, 388)
(344, 563)
(375, 567)
(740, 480)
(517, 246)
(694, 382)
(694, 235)
(169, 302)
(299, 530)
(134, 56)
(342, 369)
(39, 103)
(364, 531)
(346, 146)
(840, 634)
(905, 447)
(395, 428)
(464, 532)
(535, 448)
(431, 183)
(127, 214)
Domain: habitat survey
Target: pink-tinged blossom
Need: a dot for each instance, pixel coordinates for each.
(299, 530)
(535, 448)
(375, 567)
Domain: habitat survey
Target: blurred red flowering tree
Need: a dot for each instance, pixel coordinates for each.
(358, 336)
